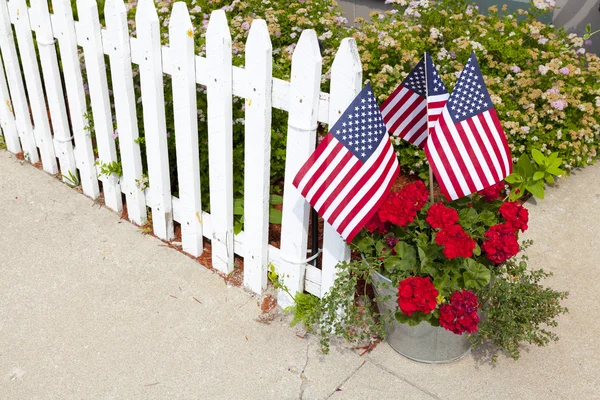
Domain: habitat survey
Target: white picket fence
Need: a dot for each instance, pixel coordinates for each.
(26, 126)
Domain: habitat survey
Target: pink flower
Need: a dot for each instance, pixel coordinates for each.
(515, 69)
(564, 70)
(559, 104)
(246, 25)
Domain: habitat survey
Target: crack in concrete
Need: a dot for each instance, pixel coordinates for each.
(303, 379)
(346, 380)
(427, 392)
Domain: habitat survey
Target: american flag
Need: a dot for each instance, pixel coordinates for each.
(467, 149)
(349, 174)
(405, 111)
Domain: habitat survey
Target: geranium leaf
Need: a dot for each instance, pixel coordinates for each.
(488, 218)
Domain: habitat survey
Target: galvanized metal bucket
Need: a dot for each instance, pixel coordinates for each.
(423, 343)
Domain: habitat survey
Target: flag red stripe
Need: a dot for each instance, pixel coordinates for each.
(457, 156)
(356, 187)
(333, 175)
(406, 115)
(375, 208)
(486, 155)
(500, 131)
(391, 96)
(472, 156)
(404, 99)
(321, 169)
(367, 196)
(312, 159)
(446, 165)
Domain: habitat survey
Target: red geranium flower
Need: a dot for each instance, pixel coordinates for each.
(416, 193)
(500, 243)
(456, 242)
(493, 192)
(440, 216)
(515, 214)
(460, 315)
(417, 294)
(376, 224)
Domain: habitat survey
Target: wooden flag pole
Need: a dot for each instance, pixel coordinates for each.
(427, 105)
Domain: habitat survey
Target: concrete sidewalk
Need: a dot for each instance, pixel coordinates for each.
(92, 309)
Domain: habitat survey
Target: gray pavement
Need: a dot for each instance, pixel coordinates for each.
(92, 309)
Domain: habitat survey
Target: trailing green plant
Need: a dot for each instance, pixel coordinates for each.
(529, 177)
(110, 168)
(519, 309)
(70, 179)
(2, 142)
(340, 312)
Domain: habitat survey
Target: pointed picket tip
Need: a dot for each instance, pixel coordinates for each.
(146, 9)
(217, 25)
(259, 35)
(180, 20)
(307, 48)
(347, 58)
(113, 8)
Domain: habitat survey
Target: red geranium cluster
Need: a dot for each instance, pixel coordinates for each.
(376, 224)
(456, 242)
(417, 294)
(515, 214)
(440, 216)
(493, 192)
(500, 243)
(460, 315)
(401, 208)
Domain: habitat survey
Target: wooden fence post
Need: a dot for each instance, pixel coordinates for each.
(259, 67)
(119, 51)
(7, 118)
(63, 141)
(302, 127)
(346, 81)
(181, 36)
(96, 76)
(64, 28)
(220, 139)
(155, 130)
(16, 86)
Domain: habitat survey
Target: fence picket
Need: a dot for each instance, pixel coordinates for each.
(346, 80)
(33, 81)
(64, 29)
(153, 100)
(302, 126)
(7, 119)
(220, 139)
(15, 83)
(63, 141)
(117, 34)
(181, 37)
(259, 66)
(98, 85)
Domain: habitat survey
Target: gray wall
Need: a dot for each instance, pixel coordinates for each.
(574, 15)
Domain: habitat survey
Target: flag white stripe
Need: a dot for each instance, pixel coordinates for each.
(310, 173)
(448, 152)
(357, 197)
(353, 181)
(327, 173)
(488, 146)
(421, 138)
(372, 201)
(390, 106)
(497, 139)
(438, 97)
(441, 170)
(478, 153)
(460, 145)
(319, 205)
